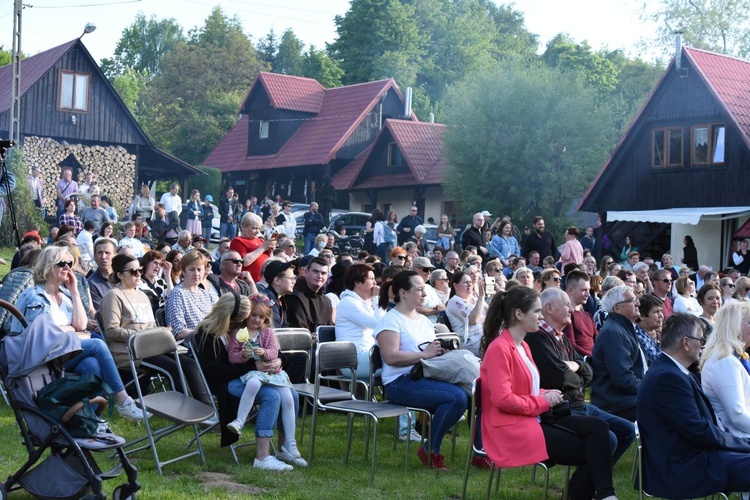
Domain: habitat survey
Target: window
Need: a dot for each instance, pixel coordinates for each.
(394, 155)
(707, 145)
(74, 91)
(263, 129)
(666, 147)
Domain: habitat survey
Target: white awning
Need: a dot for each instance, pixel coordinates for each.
(680, 215)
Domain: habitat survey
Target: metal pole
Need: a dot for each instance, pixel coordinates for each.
(15, 120)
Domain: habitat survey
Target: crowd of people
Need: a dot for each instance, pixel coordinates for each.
(548, 325)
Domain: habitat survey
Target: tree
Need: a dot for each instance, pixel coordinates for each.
(5, 57)
(523, 139)
(563, 53)
(289, 57)
(267, 47)
(717, 25)
(318, 65)
(142, 46)
(27, 214)
(378, 39)
(131, 85)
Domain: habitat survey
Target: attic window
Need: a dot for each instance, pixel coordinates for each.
(707, 145)
(74, 91)
(394, 155)
(263, 129)
(666, 147)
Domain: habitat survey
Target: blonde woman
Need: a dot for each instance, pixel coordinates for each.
(724, 368)
(524, 276)
(253, 249)
(144, 203)
(741, 289)
(195, 212)
(685, 302)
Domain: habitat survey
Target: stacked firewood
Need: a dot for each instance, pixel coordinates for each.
(113, 168)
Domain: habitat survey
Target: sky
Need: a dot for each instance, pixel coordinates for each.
(46, 23)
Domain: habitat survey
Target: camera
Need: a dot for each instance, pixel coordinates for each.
(5, 144)
(450, 344)
(559, 410)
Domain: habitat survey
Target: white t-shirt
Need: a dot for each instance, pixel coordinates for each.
(62, 315)
(412, 334)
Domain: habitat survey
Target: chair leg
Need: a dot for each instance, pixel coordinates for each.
(374, 447)
(546, 483)
(454, 431)
(489, 483)
(395, 437)
(497, 481)
(468, 468)
(350, 419)
(304, 417)
(313, 426)
(565, 486)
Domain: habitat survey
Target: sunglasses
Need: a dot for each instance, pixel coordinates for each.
(136, 271)
(400, 257)
(730, 285)
(557, 279)
(665, 280)
(234, 261)
(64, 263)
(262, 299)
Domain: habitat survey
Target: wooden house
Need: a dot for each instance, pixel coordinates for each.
(294, 136)
(72, 116)
(404, 165)
(681, 167)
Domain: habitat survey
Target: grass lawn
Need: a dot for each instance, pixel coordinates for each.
(327, 477)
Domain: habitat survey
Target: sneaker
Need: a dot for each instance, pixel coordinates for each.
(235, 426)
(413, 436)
(270, 463)
(437, 459)
(481, 462)
(128, 410)
(291, 456)
(211, 422)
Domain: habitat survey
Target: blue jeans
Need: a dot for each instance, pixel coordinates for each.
(309, 242)
(228, 229)
(97, 359)
(446, 402)
(621, 431)
(269, 406)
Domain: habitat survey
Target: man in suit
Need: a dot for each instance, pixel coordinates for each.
(687, 452)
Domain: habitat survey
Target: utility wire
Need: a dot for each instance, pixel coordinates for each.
(82, 5)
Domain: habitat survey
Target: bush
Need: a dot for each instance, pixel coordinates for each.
(27, 214)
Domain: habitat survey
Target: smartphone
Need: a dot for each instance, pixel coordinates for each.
(489, 285)
(274, 236)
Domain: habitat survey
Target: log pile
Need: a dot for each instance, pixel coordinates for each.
(113, 168)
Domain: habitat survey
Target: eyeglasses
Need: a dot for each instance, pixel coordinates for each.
(292, 245)
(730, 285)
(262, 299)
(290, 278)
(702, 340)
(634, 300)
(557, 279)
(400, 257)
(665, 280)
(136, 271)
(327, 255)
(236, 262)
(65, 263)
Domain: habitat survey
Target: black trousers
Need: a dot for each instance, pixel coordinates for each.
(582, 441)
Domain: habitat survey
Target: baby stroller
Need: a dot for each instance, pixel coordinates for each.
(60, 466)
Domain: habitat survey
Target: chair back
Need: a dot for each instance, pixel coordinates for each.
(326, 333)
(442, 318)
(160, 316)
(335, 356)
(150, 343)
(376, 366)
(441, 328)
(294, 339)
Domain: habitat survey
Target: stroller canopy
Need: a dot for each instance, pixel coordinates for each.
(42, 341)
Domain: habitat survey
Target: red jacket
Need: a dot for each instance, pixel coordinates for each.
(511, 432)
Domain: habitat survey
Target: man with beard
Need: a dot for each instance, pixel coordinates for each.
(540, 240)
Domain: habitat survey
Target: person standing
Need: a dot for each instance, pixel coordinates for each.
(407, 225)
(171, 200)
(540, 240)
(228, 212)
(741, 258)
(207, 217)
(287, 220)
(313, 226)
(66, 187)
(195, 214)
(690, 253)
(473, 236)
(572, 250)
(36, 187)
(96, 213)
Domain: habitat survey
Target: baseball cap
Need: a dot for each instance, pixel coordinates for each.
(422, 262)
(209, 198)
(200, 238)
(485, 213)
(275, 268)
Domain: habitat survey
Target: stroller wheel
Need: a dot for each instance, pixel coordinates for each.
(122, 492)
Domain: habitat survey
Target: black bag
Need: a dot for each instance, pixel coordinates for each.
(550, 416)
(56, 398)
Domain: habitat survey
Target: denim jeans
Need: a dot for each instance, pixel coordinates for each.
(446, 401)
(269, 405)
(309, 242)
(229, 230)
(621, 431)
(96, 359)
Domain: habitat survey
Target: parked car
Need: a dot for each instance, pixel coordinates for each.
(352, 221)
(431, 236)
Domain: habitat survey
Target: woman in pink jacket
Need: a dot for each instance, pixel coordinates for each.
(512, 403)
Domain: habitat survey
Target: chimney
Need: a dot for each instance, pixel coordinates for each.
(407, 103)
(678, 50)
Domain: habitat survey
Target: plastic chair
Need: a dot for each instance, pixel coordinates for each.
(326, 333)
(174, 406)
(476, 404)
(160, 316)
(335, 356)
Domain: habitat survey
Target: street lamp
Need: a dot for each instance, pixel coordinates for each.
(90, 28)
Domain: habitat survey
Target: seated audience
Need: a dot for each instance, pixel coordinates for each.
(648, 326)
(685, 302)
(726, 284)
(188, 303)
(156, 278)
(467, 310)
(433, 304)
(709, 298)
(582, 331)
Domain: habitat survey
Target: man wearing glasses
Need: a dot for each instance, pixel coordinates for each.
(662, 283)
(227, 281)
(618, 361)
(289, 248)
(451, 264)
(690, 454)
(407, 225)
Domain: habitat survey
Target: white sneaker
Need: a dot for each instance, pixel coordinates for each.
(412, 436)
(130, 411)
(291, 455)
(235, 426)
(270, 463)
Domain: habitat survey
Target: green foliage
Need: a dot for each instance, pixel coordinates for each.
(563, 53)
(206, 184)
(5, 57)
(717, 25)
(27, 214)
(289, 58)
(524, 139)
(143, 45)
(318, 65)
(131, 85)
(267, 48)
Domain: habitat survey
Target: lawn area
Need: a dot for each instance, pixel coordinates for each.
(7, 254)
(327, 477)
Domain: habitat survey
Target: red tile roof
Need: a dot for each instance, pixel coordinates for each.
(421, 145)
(294, 93)
(316, 142)
(32, 68)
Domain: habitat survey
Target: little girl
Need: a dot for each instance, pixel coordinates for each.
(258, 341)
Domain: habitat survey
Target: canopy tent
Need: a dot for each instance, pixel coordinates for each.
(680, 215)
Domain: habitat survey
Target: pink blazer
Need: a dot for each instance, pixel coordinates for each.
(511, 433)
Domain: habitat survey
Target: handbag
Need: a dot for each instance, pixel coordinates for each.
(459, 367)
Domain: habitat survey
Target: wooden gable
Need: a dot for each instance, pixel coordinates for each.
(637, 177)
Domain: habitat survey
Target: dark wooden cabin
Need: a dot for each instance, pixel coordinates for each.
(294, 135)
